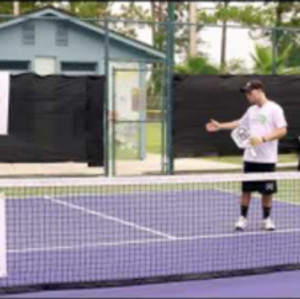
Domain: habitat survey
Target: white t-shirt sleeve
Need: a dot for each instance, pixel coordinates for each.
(279, 118)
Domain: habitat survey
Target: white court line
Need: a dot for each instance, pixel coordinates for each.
(275, 198)
(152, 195)
(149, 241)
(87, 245)
(112, 218)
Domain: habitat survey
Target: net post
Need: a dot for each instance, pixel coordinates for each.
(169, 95)
(3, 251)
(112, 121)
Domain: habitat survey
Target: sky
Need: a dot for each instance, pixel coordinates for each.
(239, 44)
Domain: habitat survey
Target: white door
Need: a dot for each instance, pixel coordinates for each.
(44, 65)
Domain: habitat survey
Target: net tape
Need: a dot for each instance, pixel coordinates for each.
(149, 180)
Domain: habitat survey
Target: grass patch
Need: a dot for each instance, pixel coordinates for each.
(153, 143)
(283, 158)
(154, 136)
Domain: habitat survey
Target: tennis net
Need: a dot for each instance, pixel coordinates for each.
(91, 232)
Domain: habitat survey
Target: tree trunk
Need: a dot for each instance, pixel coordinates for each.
(160, 19)
(223, 43)
(16, 6)
(193, 29)
(154, 18)
(99, 14)
(279, 12)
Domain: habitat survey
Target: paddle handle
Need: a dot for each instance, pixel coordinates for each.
(252, 152)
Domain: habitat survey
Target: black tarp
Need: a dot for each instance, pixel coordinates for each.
(54, 118)
(94, 121)
(198, 98)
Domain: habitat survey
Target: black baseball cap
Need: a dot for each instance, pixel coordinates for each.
(251, 85)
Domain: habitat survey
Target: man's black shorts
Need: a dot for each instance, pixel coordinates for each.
(263, 187)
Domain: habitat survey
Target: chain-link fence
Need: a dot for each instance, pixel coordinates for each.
(139, 59)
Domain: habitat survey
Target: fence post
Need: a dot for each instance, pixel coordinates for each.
(106, 126)
(274, 50)
(169, 93)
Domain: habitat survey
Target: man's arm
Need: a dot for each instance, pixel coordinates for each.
(276, 134)
(214, 126)
(280, 125)
(230, 125)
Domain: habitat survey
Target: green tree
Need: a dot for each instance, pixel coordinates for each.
(279, 14)
(158, 14)
(197, 65)
(224, 13)
(287, 15)
(263, 61)
(100, 10)
(282, 14)
(159, 32)
(6, 7)
(236, 66)
(132, 11)
(91, 9)
(156, 84)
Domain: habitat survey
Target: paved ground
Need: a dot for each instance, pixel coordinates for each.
(152, 165)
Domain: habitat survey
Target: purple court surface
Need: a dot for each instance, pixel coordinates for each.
(150, 234)
(275, 285)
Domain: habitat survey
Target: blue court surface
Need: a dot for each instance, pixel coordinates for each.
(85, 238)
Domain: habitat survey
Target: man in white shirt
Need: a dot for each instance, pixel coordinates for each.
(267, 124)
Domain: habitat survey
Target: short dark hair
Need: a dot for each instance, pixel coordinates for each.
(251, 85)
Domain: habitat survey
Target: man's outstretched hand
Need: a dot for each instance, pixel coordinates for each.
(213, 126)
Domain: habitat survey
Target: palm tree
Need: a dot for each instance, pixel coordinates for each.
(263, 61)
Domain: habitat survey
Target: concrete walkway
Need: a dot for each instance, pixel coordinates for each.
(48, 169)
(152, 165)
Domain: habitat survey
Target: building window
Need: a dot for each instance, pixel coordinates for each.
(28, 33)
(62, 35)
(79, 67)
(14, 65)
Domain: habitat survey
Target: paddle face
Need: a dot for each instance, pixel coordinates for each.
(241, 137)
